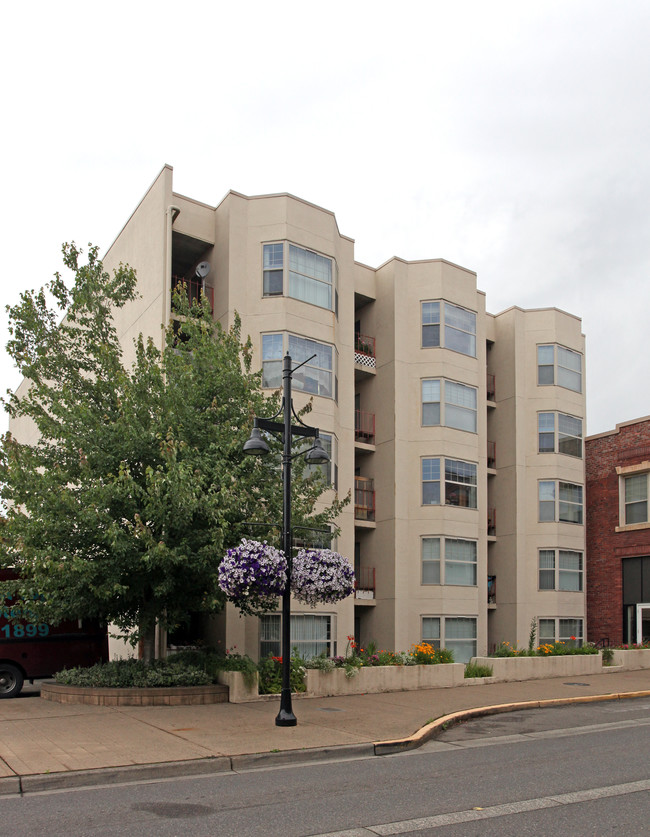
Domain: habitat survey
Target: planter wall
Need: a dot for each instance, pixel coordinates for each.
(163, 696)
(633, 659)
(537, 668)
(239, 689)
(374, 679)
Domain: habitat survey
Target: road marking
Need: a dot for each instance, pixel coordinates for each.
(504, 810)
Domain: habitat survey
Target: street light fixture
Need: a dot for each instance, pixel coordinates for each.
(316, 455)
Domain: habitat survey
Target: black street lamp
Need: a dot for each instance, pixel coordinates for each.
(316, 455)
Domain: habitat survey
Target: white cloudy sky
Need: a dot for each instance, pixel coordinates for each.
(511, 137)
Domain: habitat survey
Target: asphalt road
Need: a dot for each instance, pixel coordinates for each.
(577, 770)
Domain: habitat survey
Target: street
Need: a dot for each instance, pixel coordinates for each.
(579, 769)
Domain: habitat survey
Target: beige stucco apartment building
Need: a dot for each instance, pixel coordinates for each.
(458, 433)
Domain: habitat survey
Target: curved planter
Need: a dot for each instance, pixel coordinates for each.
(537, 668)
(161, 696)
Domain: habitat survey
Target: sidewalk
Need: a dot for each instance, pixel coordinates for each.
(46, 745)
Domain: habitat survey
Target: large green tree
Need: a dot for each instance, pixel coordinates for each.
(123, 507)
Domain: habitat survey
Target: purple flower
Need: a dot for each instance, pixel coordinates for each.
(253, 575)
(320, 576)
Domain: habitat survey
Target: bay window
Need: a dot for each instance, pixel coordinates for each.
(317, 376)
(458, 567)
(448, 326)
(450, 404)
(308, 277)
(456, 633)
(560, 569)
(558, 365)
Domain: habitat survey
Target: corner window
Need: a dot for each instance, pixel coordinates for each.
(459, 486)
(329, 470)
(309, 276)
(559, 433)
(560, 569)
(318, 376)
(456, 633)
(458, 567)
(568, 631)
(448, 326)
(449, 404)
(557, 365)
(559, 501)
(311, 635)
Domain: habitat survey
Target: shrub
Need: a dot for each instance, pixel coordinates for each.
(125, 674)
(476, 670)
(270, 674)
(212, 662)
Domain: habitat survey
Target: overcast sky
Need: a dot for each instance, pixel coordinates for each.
(509, 137)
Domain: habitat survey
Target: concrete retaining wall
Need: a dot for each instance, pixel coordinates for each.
(374, 679)
(537, 668)
(632, 660)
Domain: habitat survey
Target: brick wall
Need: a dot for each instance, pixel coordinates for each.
(629, 444)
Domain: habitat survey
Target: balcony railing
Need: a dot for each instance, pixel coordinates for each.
(492, 522)
(492, 454)
(194, 288)
(492, 589)
(491, 388)
(364, 498)
(364, 583)
(364, 427)
(364, 351)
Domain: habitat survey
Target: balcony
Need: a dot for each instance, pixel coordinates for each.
(491, 388)
(194, 288)
(364, 354)
(492, 590)
(492, 455)
(364, 499)
(364, 584)
(364, 427)
(492, 523)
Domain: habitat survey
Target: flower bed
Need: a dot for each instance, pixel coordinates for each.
(537, 668)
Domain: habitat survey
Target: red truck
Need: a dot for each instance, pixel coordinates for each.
(31, 650)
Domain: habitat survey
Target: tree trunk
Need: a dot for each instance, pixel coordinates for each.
(148, 643)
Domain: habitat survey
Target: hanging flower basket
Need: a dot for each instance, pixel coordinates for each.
(320, 576)
(253, 575)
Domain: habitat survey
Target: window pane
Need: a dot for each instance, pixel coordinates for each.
(430, 469)
(272, 347)
(316, 375)
(431, 493)
(570, 492)
(570, 380)
(547, 569)
(272, 283)
(460, 562)
(571, 632)
(544, 375)
(545, 355)
(430, 403)
(569, 359)
(430, 313)
(636, 488)
(430, 336)
(546, 501)
(431, 415)
(273, 256)
(547, 579)
(460, 341)
(310, 277)
(460, 318)
(431, 628)
(460, 406)
(546, 631)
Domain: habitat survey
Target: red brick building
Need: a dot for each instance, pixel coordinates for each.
(617, 467)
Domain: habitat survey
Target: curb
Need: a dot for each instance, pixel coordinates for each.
(426, 733)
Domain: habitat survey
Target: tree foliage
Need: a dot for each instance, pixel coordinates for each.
(124, 506)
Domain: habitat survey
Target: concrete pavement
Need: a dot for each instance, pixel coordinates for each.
(45, 745)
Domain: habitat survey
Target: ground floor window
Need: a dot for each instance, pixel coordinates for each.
(311, 635)
(568, 631)
(456, 633)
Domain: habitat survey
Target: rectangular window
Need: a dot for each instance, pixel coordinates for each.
(459, 566)
(311, 635)
(330, 469)
(560, 570)
(557, 365)
(460, 483)
(458, 331)
(568, 631)
(560, 501)
(273, 269)
(456, 633)
(317, 376)
(636, 499)
(430, 482)
(559, 433)
(310, 275)
(459, 405)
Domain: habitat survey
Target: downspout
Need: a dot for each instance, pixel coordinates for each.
(171, 215)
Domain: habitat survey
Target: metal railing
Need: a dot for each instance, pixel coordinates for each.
(365, 579)
(492, 522)
(492, 454)
(365, 345)
(194, 288)
(491, 388)
(364, 427)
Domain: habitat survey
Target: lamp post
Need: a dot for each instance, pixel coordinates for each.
(316, 455)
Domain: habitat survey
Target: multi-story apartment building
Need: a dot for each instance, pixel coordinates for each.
(458, 433)
(618, 533)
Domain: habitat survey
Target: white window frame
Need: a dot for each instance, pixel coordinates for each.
(450, 332)
(628, 476)
(447, 409)
(554, 568)
(283, 275)
(437, 571)
(550, 492)
(557, 363)
(270, 634)
(558, 629)
(559, 437)
(444, 627)
(431, 474)
(271, 346)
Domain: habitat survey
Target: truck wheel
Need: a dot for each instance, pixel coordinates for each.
(11, 680)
